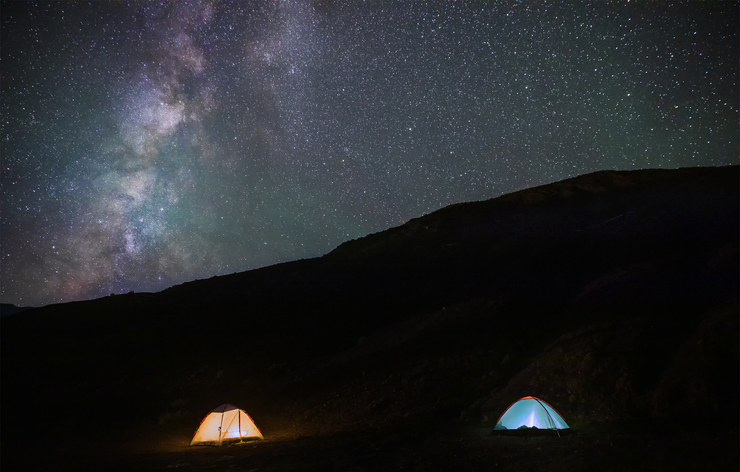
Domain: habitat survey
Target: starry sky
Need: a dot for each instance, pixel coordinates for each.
(145, 144)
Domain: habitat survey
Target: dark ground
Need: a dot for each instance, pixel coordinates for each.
(613, 296)
(654, 445)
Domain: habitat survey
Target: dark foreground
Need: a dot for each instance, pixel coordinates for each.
(665, 445)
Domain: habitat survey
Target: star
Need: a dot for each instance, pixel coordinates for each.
(146, 144)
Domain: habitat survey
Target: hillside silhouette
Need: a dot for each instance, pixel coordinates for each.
(613, 296)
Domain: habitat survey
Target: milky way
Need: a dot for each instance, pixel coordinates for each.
(148, 144)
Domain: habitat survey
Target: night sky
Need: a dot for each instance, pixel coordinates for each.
(148, 144)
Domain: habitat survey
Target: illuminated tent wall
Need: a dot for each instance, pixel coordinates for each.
(530, 412)
(225, 423)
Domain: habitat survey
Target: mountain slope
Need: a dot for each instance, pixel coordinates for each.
(613, 295)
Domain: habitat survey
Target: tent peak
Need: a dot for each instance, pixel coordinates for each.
(224, 407)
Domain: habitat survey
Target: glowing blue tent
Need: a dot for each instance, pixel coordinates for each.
(530, 412)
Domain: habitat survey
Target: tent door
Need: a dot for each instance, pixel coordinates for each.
(224, 431)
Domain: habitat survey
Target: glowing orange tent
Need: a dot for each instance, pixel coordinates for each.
(225, 423)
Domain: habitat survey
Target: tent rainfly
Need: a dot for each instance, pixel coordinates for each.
(225, 423)
(530, 412)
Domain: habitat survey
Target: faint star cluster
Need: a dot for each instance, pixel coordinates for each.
(145, 144)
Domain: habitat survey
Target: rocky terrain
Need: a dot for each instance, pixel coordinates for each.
(613, 296)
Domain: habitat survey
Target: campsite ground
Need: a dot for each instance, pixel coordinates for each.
(676, 446)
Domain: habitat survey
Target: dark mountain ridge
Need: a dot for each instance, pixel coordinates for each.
(10, 309)
(613, 295)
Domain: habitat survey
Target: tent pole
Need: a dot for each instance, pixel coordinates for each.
(220, 433)
(552, 422)
(228, 426)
